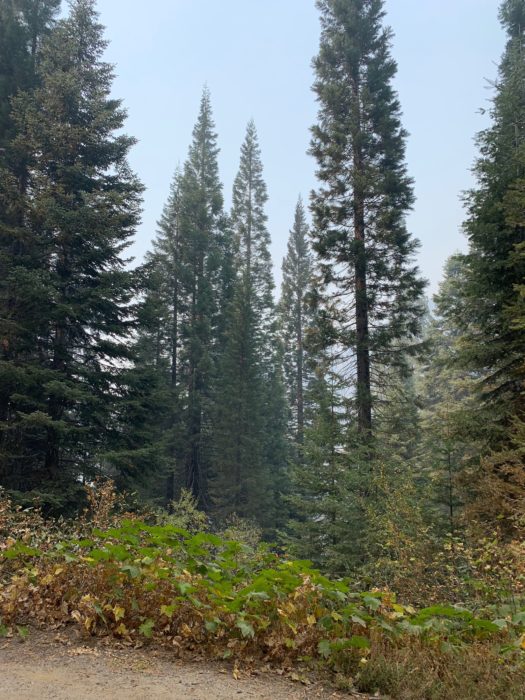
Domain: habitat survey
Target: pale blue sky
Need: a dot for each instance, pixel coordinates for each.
(255, 56)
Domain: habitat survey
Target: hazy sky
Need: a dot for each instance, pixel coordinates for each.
(255, 56)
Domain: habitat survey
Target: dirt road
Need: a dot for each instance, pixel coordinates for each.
(56, 667)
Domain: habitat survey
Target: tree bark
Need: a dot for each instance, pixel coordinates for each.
(364, 399)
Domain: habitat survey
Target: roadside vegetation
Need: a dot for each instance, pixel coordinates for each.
(121, 575)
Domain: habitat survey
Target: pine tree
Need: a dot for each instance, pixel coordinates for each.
(79, 208)
(370, 287)
(295, 315)
(252, 239)
(492, 343)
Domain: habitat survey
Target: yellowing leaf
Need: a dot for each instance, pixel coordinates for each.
(167, 610)
(122, 630)
(118, 612)
(311, 619)
(88, 623)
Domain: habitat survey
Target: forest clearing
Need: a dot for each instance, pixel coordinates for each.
(233, 480)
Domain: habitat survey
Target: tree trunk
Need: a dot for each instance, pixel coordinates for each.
(300, 373)
(364, 399)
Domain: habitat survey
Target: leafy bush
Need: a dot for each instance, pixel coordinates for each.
(241, 530)
(140, 580)
(162, 583)
(183, 513)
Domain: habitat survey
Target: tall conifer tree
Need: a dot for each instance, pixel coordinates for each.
(80, 207)
(24, 25)
(296, 317)
(200, 225)
(152, 415)
(165, 286)
(370, 288)
(248, 376)
(493, 343)
(183, 317)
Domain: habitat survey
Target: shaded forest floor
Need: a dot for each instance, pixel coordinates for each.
(66, 667)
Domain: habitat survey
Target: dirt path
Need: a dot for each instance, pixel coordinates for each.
(48, 667)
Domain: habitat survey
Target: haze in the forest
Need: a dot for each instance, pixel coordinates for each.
(256, 60)
(321, 469)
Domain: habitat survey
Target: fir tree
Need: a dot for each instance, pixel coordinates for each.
(327, 516)
(23, 28)
(80, 207)
(167, 305)
(200, 234)
(245, 430)
(24, 24)
(370, 287)
(492, 343)
(295, 316)
(181, 327)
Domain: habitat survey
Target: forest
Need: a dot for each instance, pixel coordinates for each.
(179, 429)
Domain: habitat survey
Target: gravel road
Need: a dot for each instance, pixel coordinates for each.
(62, 667)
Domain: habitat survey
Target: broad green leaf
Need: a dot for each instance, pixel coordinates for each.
(324, 648)
(146, 628)
(245, 627)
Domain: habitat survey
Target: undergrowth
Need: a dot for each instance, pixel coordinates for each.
(199, 592)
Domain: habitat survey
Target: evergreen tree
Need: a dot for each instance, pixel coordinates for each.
(182, 320)
(370, 288)
(166, 305)
(453, 430)
(276, 447)
(198, 256)
(327, 515)
(252, 239)
(492, 343)
(140, 455)
(23, 28)
(183, 298)
(24, 24)
(79, 208)
(295, 316)
(245, 431)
